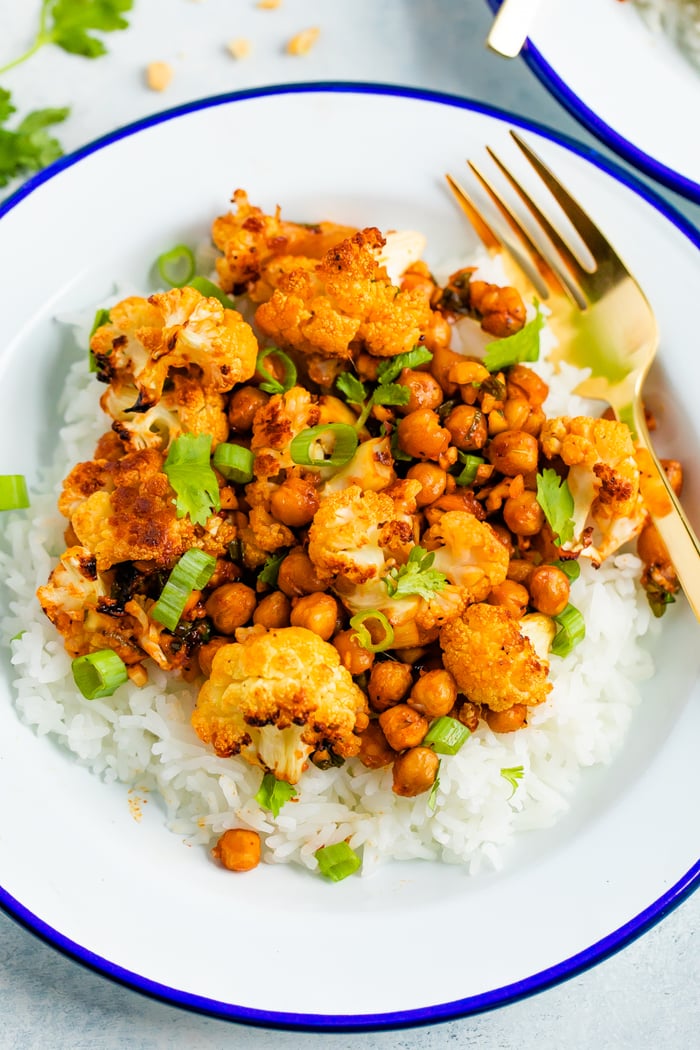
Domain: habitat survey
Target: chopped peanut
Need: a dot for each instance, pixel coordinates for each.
(302, 42)
(239, 47)
(158, 75)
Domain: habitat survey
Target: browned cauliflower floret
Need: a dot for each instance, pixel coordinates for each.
(493, 662)
(345, 303)
(133, 517)
(278, 696)
(468, 552)
(146, 338)
(184, 407)
(603, 479)
(251, 241)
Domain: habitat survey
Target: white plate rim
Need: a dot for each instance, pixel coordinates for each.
(626, 149)
(606, 946)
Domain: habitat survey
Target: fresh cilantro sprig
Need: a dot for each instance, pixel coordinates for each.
(273, 793)
(387, 392)
(71, 25)
(188, 467)
(270, 570)
(416, 577)
(555, 499)
(514, 349)
(29, 146)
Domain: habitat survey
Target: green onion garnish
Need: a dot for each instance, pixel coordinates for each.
(569, 566)
(432, 797)
(13, 492)
(99, 674)
(512, 774)
(470, 466)
(206, 287)
(338, 861)
(177, 267)
(272, 385)
(101, 317)
(310, 448)
(235, 462)
(273, 793)
(364, 638)
(572, 630)
(192, 572)
(446, 736)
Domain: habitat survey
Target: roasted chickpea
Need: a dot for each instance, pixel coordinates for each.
(433, 482)
(468, 427)
(231, 606)
(273, 611)
(516, 412)
(207, 652)
(520, 570)
(501, 308)
(522, 381)
(403, 726)
(421, 435)
(507, 721)
(505, 537)
(388, 684)
(238, 849)
(415, 771)
(523, 514)
(423, 389)
(295, 502)
(353, 657)
(297, 575)
(514, 452)
(549, 590)
(242, 407)
(440, 366)
(434, 694)
(317, 612)
(511, 596)
(374, 749)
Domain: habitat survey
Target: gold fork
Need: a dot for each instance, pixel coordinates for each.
(602, 319)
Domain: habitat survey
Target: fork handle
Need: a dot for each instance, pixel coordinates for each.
(673, 527)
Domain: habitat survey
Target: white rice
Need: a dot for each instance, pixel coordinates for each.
(143, 738)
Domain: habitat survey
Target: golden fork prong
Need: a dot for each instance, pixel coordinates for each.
(494, 243)
(553, 283)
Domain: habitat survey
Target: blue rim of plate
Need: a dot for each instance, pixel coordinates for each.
(617, 142)
(441, 1012)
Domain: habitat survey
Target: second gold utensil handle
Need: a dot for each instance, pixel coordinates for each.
(511, 26)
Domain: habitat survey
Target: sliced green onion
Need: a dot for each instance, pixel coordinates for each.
(101, 317)
(432, 797)
(206, 287)
(470, 466)
(192, 572)
(512, 774)
(338, 861)
(569, 566)
(99, 674)
(13, 492)
(446, 736)
(364, 638)
(177, 267)
(572, 630)
(272, 385)
(273, 793)
(305, 447)
(235, 462)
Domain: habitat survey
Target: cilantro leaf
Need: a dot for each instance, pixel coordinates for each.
(71, 24)
(391, 394)
(416, 577)
(29, 147)
(351, 388)
(189, 471)
(555, 499)
(512, 774)
(270, 570)
(392, 368)
(522, 346)
(273, 793)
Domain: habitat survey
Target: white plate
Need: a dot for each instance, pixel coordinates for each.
(413, 943)
(630, 86)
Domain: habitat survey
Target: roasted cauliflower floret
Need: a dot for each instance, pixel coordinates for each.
(468, 552)
(359, 535)
(250, 240)
(603, 479)
(185, 407)
(146, 338)
(278, 696)
(345, 303)
(493, 662)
